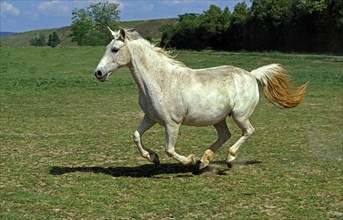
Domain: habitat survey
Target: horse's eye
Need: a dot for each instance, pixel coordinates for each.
(114, 50)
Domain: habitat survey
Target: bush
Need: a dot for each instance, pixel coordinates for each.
(54, 40)
(38, 40)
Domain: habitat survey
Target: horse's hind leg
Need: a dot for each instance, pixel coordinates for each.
(223, 135)
(145, 125)
(247, 131)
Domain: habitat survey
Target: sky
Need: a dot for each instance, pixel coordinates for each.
(26, 15)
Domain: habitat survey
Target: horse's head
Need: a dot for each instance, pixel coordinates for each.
(116, 56)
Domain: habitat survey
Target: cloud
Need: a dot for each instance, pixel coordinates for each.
(179, 2)
(32, 15)
(88, 2)
(56, 6)
(115, 1)
(148, 7)
(9, 8)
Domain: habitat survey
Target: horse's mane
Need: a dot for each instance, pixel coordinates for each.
(134, 35)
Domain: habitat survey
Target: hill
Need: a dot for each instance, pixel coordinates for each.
(2, 33)
(23, 39)
(147, 28)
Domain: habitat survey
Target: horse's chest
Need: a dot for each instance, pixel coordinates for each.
(161, 107)
(150, 105)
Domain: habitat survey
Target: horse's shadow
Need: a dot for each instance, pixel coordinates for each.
(146, 170)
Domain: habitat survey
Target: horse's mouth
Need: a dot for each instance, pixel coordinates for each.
(104, 77)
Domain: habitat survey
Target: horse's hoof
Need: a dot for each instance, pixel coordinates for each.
(193, 160)
(230, 164)
(155, 159)
(231, 159)
(202, 165)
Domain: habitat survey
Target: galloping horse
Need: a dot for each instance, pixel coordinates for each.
(172, 94)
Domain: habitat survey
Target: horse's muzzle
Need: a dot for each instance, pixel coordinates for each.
(100, 75)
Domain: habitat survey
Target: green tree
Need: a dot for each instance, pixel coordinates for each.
(81, 26)
(237, 34)
(267, 20)
(89, 26)
(214, 24)
(38, 40)
(184, 34)
(53, 40)
(317, 25)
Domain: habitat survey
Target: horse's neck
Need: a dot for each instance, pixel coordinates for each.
(148, 68)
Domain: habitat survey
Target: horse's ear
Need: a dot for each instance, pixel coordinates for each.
(113, 33)
(122, 34)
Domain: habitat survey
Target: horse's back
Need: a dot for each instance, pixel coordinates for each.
(214, 93)
(222, 78)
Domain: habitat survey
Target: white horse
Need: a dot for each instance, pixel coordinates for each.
(172, 94)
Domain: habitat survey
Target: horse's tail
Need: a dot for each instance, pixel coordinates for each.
(277, 86)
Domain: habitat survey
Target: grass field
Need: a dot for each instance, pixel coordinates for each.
(67, 150)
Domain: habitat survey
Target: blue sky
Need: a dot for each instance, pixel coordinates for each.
(25, 15)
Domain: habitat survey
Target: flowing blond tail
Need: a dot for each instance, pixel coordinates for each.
(277, 86)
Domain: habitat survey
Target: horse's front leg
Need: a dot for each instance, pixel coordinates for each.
(147, 153)
(172, 130)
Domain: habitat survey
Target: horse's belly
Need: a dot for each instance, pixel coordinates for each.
(204, 119)
(207, 114)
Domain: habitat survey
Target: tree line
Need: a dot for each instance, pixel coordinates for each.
(38, 40)
(282, 25)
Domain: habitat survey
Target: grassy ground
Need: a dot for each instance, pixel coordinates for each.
(67, 150)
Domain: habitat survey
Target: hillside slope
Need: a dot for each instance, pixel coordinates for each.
(147, 28)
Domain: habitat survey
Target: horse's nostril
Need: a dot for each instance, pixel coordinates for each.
(98, 73)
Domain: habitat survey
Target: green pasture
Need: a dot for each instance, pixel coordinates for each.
(67, 151)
